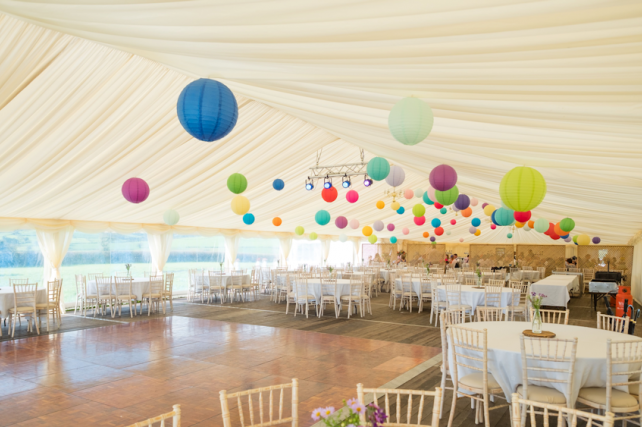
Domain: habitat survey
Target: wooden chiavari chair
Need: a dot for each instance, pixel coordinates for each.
(124, 294)
(405, 396)
(552, 316)
(264, 419)
(175, 417)
(490, 314)
(168, 292)
(613, 323)
(547, 409)
(24, 304)
(52, 306)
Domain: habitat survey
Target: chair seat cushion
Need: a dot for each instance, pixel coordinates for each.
(91, 296)
(460, 306)
(543, 395)
(476, 380)
(152, 295)
(127, 297)
(619, 399)
(43, 306)
(21, 310)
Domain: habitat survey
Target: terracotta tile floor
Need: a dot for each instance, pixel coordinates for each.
(122, 373)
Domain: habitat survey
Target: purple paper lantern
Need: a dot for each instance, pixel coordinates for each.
(391, 227)
(378, 225)
(568, 239)
(341, 222)
(135, 190)
(484, 205)
(472, 230)
(596, 240)
(462, 202)
(443, 178)
(432, 238)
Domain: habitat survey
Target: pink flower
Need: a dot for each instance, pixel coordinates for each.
(316, 414)
(358, 408)
(352, 401)
(326, 412)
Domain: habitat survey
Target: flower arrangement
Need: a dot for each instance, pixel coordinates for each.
(128, 266)
(536, 300)
(330, 269)
(402, 254)
(220, 265)
(350, 415)
(536, 303)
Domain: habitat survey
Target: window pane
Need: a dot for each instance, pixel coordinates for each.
(257, 252)
(340, 253)
(188, 252)
(20, 257)
(309, 252)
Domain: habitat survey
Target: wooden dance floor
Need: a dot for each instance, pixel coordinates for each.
(122, 373)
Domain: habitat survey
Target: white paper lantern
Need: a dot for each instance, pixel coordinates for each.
(396, 176)
(378, 225)
(171, 217)
(419, 193)
(343, 237)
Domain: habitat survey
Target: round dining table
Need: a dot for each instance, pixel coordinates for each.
(505, 360)
(7, 302)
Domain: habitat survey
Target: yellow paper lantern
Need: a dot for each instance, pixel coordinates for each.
(489, 209)
(519, 224)
(240, 205)
(583, 239)
(380, 204)
(478, 232)
(313, 236)
(367, 230)
(395, 206)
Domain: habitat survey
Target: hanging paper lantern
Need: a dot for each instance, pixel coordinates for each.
(408, 194)
(575, 238)
(278, 184)
(419, 220)
(171, 217)
(526, 228)
(443, 178)
(448, 233)
(453, 222)
(522, 216)
(447, 197)
(504, 217)
(380, 204)
(489, 209)
(393, 240)
(277, 221)
(343, 237)
(461, 239)
(329, 194)
(240, 205)
(433, 238)
(522, 189)
(438, 205)
(567, 224)
(476, 222)
(418, 210)
(352, 196)
(426, 234)
(378, 225)
(462, 202)
(367, 230)
(313, 236)
(378, 168)
(519, 224)
(410, 121)
(322, 217)
(427, 199)
(135, 190)
(372, 239)
(237, 183)
(531, 224)
(568, 239)
(401, 210)
(559, 231)
(596, 240)
(436, 222)
(564, 237)
(484, 205)
(405, 231)
(207, 110)
(431, 194)
(551, 229)
(454, 208)
(354, 224)
(554, 236)
(583, 239)
(467, 212)
(478, 232)
(299, 230)
(395, 206)
(493, 226)
(391, 227)
(439, 231)
(509, 235)
(443, 211)
(418, 193)
(248, 219)
(492, 218)
(341, 222)
(473, 201)
(396, 176)
(472, 230)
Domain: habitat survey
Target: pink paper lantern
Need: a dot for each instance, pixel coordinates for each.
(354, 224)
(443, 177)
(453, 222)
(431, 194)
(484, 205)
(341, 222)
(405, 231)
(493, 226)
(352, 196)
(135, 190)
(473, 201)
(419, 220)
(391, 227)
(409, 194)
(461, 239)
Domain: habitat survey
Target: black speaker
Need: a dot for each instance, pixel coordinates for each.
(611, 276)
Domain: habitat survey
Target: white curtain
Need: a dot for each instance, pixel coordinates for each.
(54, 246)
(356, 249)
(326, 250)
(160, 246)
(286, 246)
(231, 248)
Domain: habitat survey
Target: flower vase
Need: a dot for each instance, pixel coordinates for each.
(537, 322)
(479, 281)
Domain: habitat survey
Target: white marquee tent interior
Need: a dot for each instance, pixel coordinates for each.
(88, 99)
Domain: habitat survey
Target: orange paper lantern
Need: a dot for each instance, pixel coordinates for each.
(531, 224)
(426, 234)
(478, 232)
(559, 231)
(277, 221)
(467, 212)
(380, 204)
(519, 224)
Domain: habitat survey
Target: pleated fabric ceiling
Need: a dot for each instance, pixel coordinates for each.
(88, 99)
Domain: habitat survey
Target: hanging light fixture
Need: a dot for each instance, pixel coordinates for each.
(327, 183)
(367, 181)
(346, 182)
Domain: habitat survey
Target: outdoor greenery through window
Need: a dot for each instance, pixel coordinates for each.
(305, 252)
(20, 257)
(257, 252)
(193, 252)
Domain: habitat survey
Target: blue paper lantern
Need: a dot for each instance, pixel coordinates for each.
(278, 184)
(322, 217)
(436, 222)
(207, 109)
(248, 219)
(476, 222)
(427, 199)
(393, 239)
(401, 210)
(443, 211)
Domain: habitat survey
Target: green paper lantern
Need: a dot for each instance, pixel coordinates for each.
(410, 121)
(575, 238)
(418, 210)
(447, 197)
(299, 231)
(509, 235)
(541, 225)
(372, 239)
(567, 224)
(171, 217)
(378, 168)
(313, 236)
(443, 211)
(322, 217)
(522, 189)
(237, 183)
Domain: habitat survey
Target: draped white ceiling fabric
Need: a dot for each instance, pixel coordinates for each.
(88, 94)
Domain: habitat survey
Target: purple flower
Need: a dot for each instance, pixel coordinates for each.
(326, 412)
(316, 414)
(352, 401)
(358, 408)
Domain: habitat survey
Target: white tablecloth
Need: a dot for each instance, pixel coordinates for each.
(530, 275)
(385, 275)
(314, 288)
(505, 362)
(227, 279)
(6, 298)
(139, 287)
(556, 288)
(474, 297)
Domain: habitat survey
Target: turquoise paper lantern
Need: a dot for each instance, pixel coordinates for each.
(322, 217)
(443, 211)
(436, 222)
(476, 222)
(401, 210)
(248, 219)
(427, 199)
(278, 184)
(393, 239)
(378, 168)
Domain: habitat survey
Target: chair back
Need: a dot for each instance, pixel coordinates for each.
(406, 283)
(527, 268)
(264, 419)
(93, 276)
(237, 277)
(453, 294)
(328, 287)
(169, 284)
(215, 279)
(542, 272)
(547, 410)
(552, 316)
(490, 314)
(612, 323)
(18, 281)
(589, 274)
(624, 362)
(54, 289)
(548, 362)
(405, 398)
(470, 280)
(81, 285)
(497, 282)
(426, 287)
(470, 352)
(155, 286)
(24, 295)
(493, 295)
(123, 285)
(175, 416)
(103, 287)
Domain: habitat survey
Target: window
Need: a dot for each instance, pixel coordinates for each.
(20, 257)
(257, 252)
(192, 251)
(305, 252)
(340, 253)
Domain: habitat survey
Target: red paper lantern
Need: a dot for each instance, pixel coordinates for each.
(551, 229)
(419, 220)
(522, 216)
(493, 226)
(439, 231)
(438, 205)
(329, 194)
(352, 196)
(135, 190)
(453, 222)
